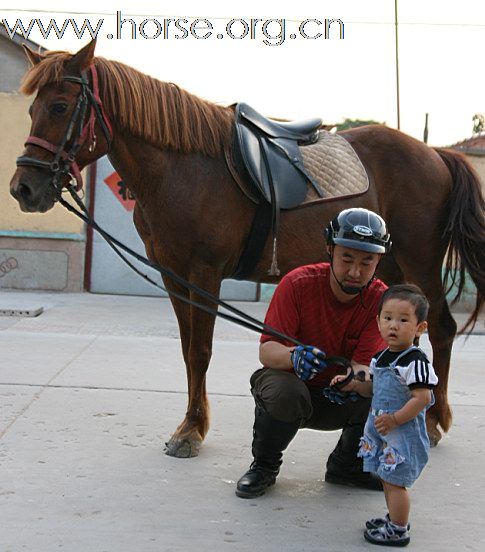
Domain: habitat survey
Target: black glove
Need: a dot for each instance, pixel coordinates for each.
(307, 361)
(339, 397)
(335, 394)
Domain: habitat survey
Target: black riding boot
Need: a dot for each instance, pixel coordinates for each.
(343, 465)
(270, 439)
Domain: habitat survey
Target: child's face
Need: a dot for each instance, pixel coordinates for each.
(399, 325)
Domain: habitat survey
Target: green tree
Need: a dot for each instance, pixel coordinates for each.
(478, 123)
(352, 123)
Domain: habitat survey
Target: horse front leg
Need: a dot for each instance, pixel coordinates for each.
(196, 338)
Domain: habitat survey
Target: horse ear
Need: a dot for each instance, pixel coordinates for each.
(82, 59)
(32, 56)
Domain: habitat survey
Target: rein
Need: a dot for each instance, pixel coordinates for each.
(241, 318)
(64, 163)
(245, 320)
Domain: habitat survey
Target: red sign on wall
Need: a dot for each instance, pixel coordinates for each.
(120, 190)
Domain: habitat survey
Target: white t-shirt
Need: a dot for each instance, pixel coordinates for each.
(414, 368)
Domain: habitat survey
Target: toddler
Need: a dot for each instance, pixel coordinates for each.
(395, 443)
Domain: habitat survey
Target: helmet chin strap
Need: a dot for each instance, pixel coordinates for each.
(352, 290)
(349, 290)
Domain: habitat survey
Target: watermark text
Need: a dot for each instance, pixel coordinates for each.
(271, 32)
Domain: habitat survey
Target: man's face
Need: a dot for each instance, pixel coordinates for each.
(353, 268)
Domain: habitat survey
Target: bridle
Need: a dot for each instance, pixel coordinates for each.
(81, 126)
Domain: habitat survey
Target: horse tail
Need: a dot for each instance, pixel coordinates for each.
(465, 230)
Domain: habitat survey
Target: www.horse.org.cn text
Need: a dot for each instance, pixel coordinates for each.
(271, 32)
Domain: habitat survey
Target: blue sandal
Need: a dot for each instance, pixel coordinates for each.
(388, 534)
(375, 523)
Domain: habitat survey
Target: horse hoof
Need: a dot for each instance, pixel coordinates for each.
(182, 448)
(434, 436)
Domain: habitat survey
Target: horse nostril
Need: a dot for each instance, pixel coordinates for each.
(24, 191)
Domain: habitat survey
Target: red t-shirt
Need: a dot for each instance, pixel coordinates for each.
(304, 307)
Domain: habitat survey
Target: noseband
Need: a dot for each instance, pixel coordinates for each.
(81, 126)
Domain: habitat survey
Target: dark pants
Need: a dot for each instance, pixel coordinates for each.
(283, 405)
(287, 399)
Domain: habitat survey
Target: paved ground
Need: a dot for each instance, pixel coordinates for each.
(92, 388)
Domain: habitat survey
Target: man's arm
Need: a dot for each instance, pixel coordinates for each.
(273, 354)
(369, 343)
(306, 361)
(357, 367)
(362, 388)
(283, 315)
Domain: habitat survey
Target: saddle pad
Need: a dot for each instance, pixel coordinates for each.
(334, 166)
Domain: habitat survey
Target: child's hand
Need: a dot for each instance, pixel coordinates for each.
(385, 423)
(338, 379)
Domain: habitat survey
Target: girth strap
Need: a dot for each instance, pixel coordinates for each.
(255, 242)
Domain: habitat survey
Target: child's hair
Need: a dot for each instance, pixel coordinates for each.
(410, 293)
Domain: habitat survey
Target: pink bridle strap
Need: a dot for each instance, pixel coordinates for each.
(88, 129)
(41, 143)
(96, 111)
(94, 77)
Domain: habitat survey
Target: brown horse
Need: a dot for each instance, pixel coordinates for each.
(170, 148)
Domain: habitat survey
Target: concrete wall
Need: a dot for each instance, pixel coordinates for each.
(37, 251)
(478, 163)
(13, 63)
(40, 263)
(15, 129)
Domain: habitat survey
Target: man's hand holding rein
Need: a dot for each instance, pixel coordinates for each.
(307, 361)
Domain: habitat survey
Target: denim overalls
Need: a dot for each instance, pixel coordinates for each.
(399, 456)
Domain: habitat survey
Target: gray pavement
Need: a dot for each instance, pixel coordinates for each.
(92, 388)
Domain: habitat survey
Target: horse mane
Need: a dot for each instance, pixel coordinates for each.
(161, 113)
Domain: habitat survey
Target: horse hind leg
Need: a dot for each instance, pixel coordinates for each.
(442, 331)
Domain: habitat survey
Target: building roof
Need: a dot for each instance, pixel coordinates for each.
(18, 40)
(474, 145)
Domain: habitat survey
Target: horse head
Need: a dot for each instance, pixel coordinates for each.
(69, 129)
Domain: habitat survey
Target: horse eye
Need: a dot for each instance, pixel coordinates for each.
(59, 108)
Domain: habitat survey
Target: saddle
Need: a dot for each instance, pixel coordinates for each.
(267, 155)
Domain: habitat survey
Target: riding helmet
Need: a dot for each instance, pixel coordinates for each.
(359, 229)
